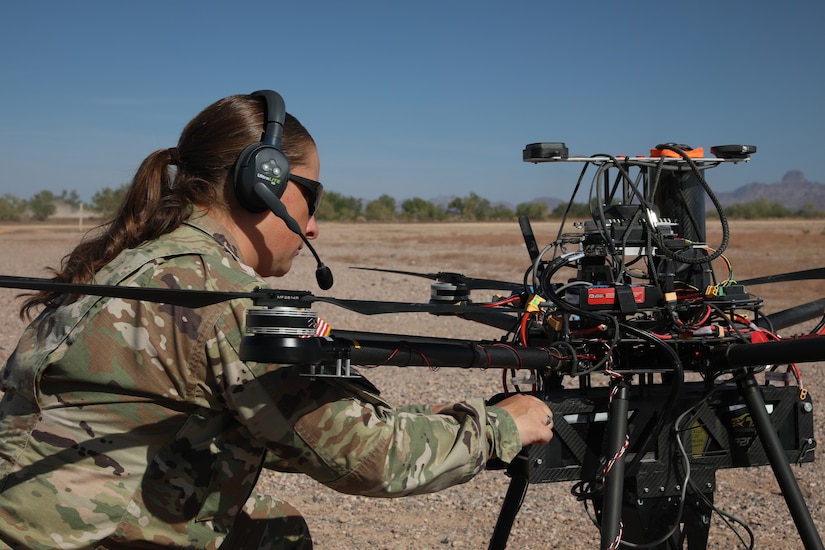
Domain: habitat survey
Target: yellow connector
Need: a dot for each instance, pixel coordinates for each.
(554, 322)
(534, 303)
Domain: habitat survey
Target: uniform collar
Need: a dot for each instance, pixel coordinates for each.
(204, 222)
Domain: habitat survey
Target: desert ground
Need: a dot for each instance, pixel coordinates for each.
(464, 517)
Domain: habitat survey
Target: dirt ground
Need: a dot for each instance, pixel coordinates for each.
(464, 517)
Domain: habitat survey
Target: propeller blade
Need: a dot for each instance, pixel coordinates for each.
(365, 307)
(805, 275)
(471, 283)
(172, 296)
(793, 316)
(261, 297)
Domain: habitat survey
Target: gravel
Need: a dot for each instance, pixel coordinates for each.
(464, 516)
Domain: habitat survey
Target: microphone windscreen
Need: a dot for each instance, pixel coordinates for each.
(324, 277)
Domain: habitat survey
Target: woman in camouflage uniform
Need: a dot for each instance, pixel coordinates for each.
(136, 424)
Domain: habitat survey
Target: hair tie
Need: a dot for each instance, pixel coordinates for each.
(174, 156)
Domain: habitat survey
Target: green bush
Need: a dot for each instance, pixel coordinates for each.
(11, 208)
(42, 205)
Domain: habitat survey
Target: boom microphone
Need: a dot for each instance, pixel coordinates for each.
(323, 274)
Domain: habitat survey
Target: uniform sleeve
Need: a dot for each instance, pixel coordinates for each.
(343, 434)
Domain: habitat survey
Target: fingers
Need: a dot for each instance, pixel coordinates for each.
(546, 434)
(533, 417)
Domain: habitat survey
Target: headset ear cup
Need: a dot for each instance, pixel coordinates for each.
(245, 179)
(264, 163)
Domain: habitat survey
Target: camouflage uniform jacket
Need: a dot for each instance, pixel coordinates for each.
(127, 421)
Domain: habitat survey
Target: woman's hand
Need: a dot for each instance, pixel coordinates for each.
(533, 417)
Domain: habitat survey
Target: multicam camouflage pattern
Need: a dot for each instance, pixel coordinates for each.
(124, 422)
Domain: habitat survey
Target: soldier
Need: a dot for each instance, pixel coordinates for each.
(134, 424)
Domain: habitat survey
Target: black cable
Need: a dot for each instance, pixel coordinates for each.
(717, 205)
(675, 391)
(726, 517)
(572, 198)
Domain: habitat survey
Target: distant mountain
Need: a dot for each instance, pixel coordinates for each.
(793, 192)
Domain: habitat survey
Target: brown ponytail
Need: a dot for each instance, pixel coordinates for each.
(157, 203)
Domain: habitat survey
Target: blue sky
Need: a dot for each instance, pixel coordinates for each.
(414, 99)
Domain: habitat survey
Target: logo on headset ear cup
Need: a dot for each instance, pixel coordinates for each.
(260, 163)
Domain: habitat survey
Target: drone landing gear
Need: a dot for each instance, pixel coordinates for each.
(752, 395)
(782, 434)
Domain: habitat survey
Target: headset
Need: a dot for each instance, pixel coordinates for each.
(263, 162)
(261, 175)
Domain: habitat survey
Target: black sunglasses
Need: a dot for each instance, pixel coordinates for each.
(314, 191)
